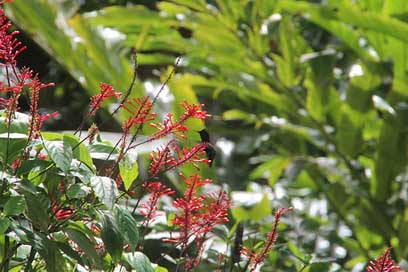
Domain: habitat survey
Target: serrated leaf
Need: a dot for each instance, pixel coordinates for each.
(14, 206)
(105, 189)
(127, 226)
(60, 153)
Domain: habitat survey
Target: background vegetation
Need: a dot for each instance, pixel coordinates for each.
(309, 102)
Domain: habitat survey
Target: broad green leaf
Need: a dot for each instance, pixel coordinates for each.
(77, 191)
(127, 226)
(105, 189)
(49, 251)
(318, 83)
(129, 169)
(65, 248)
(102, 151)
(160, 269)
(80, 152)
(60, 153)
(37, 210)
(84, 244)
(14, 206)
(271, 170)
(4, 224)
(139, 262)
(256, 212)
(112, 237)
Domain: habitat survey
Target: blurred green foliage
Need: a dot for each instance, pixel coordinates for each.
(311, 96)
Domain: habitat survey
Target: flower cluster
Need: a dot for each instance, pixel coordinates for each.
(170, 156)
(149, 208)
(107, 91)
(19, 79)
(10, 47)
(196, 216)
(178, 128)
(384, 263)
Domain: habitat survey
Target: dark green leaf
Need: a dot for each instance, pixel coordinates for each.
(112, 237)
(127, 226)
(14, 206)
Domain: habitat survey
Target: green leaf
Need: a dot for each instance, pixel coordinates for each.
(105, 189)
(112, 237)
(127, 226)
(256, 212)
(48, 250)
(139, 262)
(129, 169)
(80, 152)
(77, 191)
(37, 207)
(272, 169)
(160, 269)
(4, 224)
(14, 206)
(84, 243)
(60, 153)
(103, 151)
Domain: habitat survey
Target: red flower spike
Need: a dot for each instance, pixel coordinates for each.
(384, 263)
(149, 209)
(36, 120)
(160, 159)
(193, 111)
(140, 111)
(163, 159)
(10, 47)
(197, 215)
(178, 128)
(107, 91)
(256, 258)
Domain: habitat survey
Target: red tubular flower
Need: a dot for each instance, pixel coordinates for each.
(163, 159)
(36, 119)
(193, 111)
(160, 159)
(384, 263)
(140, 110)
(190, 156)
(149, 209)
(177, 127)
(62, 214)
(107, 91)
(256, 258)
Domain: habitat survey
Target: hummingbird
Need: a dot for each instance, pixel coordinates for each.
(209, 150)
